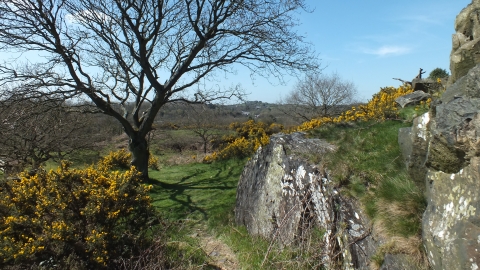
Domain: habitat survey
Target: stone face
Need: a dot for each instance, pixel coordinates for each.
(453, 135)
(281, 196)
(426, 85)
(413, 143)
(276, 188)
(451, 222)
(412, 98)
(465, 52)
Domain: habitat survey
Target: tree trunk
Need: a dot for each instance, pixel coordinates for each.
(138, 146)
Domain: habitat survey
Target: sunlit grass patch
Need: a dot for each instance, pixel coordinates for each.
(196, 190)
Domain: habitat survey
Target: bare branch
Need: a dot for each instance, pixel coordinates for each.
(149, 52)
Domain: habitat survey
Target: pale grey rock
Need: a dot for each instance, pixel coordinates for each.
(465, 52)
(451, 158)
(413, 142)
(413, 98)
(281, 195)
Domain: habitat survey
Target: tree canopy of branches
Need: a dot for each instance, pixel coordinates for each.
(149, 52)
(317, 95)
(34, 131)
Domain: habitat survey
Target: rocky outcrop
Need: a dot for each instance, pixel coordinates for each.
(465, 42)
(451, 223)
(281, 196)
(426, 85)
(443, 148)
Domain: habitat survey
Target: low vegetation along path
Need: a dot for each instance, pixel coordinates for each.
(220, 255)
(204, 194)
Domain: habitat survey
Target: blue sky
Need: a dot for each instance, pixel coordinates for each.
(369, 42)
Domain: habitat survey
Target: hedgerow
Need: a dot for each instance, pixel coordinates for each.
(251, 135)
(382, 106)
(73, 218)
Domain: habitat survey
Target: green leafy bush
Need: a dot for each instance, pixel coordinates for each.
(438, 73)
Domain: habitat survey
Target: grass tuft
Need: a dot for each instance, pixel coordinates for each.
(368, 166)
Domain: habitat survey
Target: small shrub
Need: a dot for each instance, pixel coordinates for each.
(73, 217)
(438, 73)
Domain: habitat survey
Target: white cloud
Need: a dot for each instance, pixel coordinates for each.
(388, 50)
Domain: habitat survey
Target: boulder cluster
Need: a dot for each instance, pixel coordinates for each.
(281, 195)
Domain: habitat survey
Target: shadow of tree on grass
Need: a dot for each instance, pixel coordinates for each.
(195, 191)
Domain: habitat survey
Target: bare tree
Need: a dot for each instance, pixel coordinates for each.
(146, 52)
(205, 122)
(318, 95)
(34, 131)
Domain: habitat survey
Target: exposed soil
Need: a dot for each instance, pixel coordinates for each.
(220, 254)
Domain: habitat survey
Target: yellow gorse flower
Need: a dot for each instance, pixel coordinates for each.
(53, 209)
(252, 135)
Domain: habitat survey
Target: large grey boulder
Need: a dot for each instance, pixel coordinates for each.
(281, 196)
(465, 52)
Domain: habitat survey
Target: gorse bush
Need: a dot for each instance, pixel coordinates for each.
(73, 218)
(249, 136)
(122, 157)
(382, 106)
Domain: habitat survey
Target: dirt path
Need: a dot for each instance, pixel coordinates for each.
(220, 254)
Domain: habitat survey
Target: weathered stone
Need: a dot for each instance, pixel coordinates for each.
(281, 195)
(277, 186)
(465, 52)
(456, 125)
(451, 223)
(426, 85)
(413, 98)
(413, 143)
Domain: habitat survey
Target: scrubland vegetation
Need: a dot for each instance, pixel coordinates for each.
(84, 216)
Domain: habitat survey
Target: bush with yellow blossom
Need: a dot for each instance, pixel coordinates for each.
(382, 106)
(122, 157)
(249, 136)
(85, 217)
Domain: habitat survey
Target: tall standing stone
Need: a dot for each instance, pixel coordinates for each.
(465, 42)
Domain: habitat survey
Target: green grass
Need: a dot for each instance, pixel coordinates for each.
(368, 150)
(202, 192)
(368, 166)
(196, 194)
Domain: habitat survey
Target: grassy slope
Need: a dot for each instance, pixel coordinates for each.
(367, 166)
